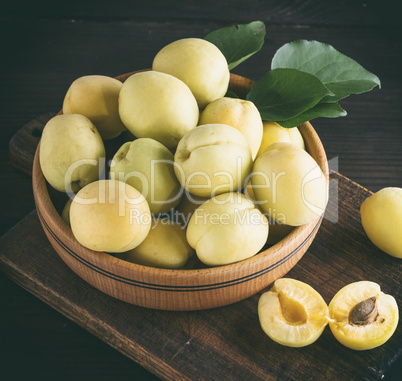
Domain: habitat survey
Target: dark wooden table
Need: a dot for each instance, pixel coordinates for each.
(45, 47)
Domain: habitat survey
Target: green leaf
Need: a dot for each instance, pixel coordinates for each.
(238, 42)
(327, 110)
(231, 94)
(282, 94)
(339, 73)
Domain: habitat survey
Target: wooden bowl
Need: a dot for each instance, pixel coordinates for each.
(178, 289)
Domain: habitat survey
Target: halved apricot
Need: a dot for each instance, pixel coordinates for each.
(362, 316)
(292, 313)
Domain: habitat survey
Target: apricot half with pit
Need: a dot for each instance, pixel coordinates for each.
(292, 313)
(362, 316)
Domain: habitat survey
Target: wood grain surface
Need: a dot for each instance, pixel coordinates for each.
(224, 343)
(45, 47)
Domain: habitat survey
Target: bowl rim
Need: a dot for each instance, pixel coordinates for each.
(62, 233)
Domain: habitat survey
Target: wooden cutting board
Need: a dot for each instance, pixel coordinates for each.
(225, 343)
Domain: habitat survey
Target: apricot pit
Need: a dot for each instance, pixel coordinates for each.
(362, 316)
